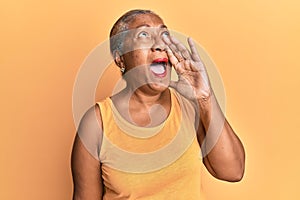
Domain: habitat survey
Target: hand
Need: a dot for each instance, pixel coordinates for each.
(193, 82)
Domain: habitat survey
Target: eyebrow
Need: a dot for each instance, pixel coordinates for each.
(147, 25)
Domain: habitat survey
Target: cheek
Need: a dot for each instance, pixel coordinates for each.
(140, 57)
(135, 58)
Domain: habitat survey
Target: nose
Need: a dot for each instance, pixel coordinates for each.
(158, 45)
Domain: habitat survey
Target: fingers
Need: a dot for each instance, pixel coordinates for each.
(182, 49)
(178, 49)
(181, 58)
(195, 56)
(194, 51)
(174, 61)
(178, 54)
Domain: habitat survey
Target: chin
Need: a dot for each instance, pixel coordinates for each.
(160, 87)
(159, 83)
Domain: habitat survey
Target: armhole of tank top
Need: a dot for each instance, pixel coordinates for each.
(98, 105)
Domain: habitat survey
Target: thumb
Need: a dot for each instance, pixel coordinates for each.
(173, 84)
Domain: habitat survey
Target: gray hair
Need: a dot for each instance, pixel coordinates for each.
(118, 31)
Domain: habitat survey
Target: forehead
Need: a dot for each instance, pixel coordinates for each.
(146, 19)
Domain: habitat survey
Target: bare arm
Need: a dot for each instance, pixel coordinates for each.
(86, 168)
(224, 155)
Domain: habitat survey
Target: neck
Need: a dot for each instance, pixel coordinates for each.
(146, 97)
(143, 107)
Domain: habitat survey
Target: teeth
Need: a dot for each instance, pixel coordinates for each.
(158, 68)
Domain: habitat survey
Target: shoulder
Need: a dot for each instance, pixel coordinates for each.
(91, 117)
(90, 130)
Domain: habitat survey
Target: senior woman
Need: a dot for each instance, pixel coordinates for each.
(144, 142)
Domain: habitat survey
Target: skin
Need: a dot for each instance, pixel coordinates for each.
(141, 99)
(225, 161)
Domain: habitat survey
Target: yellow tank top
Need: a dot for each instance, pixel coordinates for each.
(157, 163)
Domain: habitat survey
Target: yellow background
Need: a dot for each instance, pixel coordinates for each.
(255, 45)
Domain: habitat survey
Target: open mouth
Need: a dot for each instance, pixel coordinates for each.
(159, 67)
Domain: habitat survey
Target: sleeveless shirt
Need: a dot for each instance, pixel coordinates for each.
(156, 163)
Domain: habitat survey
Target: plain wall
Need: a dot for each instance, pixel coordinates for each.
(255, 45)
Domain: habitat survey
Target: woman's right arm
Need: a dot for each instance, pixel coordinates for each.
(86, 167)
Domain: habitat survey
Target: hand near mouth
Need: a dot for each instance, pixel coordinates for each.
(193, 81)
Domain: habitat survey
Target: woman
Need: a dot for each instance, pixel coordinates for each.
(144, 142)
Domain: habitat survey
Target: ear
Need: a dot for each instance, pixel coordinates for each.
(119, 60)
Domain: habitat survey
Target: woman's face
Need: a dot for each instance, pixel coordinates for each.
(145, 56)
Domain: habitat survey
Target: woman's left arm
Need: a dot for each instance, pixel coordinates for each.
(223, 152)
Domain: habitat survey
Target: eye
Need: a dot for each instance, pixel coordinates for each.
(165, 34)
(143, 34)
